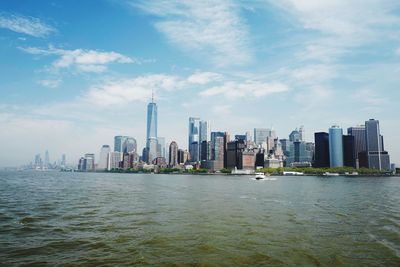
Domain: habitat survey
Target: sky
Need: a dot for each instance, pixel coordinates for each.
(73, 74)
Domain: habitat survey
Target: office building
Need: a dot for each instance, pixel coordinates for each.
(103, 159)
(173, 155)
(321, 156)
(151, 134)
(233, 152)
(349, 159)
(336, 146)
(194, 137)
(161, 147)
(89, 162)
(377, 157)
(358, 132)
(260, 135)
(114, 159)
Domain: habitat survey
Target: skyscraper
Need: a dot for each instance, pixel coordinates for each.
(359, 141)
(151, 141)
(119, 142)
(321, 150)
(46, 159)
(260, 135)
(161, 147)
(63, 160)
(336, 146)
(130, 145)
(194, 136)
(89, 162)
(349, 159)
(294, 136)
(173, 154)
(103, 159)
(301, 133)
(377, 157)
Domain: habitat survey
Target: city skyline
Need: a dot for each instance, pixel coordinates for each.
(262, 65)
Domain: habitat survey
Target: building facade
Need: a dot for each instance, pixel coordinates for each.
(335, 146)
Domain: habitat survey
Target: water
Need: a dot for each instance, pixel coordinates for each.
(88, 219)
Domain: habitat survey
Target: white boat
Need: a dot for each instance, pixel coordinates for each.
(260, 176)
(330, 174)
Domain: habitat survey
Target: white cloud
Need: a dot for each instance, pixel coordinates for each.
(342, 24)
(212, 28)
(26, 25)
(314, 74)
(204, 77)
(129, 90)
(81, 59)
(369, 96)
(246, 89)
(50, 83)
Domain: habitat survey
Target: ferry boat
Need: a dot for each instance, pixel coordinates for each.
(260, 176)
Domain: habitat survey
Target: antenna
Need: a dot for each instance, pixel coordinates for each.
(152, 95)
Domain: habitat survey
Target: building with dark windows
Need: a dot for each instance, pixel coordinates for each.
(234, 150)
(359, 142)
(377, 157)
(321, 155)
(349, 159)
(173, 155)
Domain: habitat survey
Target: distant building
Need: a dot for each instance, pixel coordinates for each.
(336, 146)
(181, 154)
(219, 153)
(378, 158)
(114, 159)
(260, 135)
(63, 160)
(151, 134)
(205, 150)
(349, 159)
(103, 159)
(161, 147)
(234, 150)
(194, 137)
(125, 144)
(89, 162)
(359, 142)
(321, 150)
(246, 160)
(130, 160)
(294, 136)
(173, 154)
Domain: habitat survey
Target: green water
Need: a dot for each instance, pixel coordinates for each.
(87, 219)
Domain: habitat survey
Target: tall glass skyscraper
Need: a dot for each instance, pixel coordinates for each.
(336, 146)
(194, 137)
(151, 141)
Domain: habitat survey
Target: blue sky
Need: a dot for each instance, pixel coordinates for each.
(76, 73)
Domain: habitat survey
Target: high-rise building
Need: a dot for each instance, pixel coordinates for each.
(260, 135)
(349, 159)
(234, 150)
(336, 146)
(151, 141)
(181, 155)
(249, 137)
(103, 159)
(46, 159)
(302, 133)
(161, 147)
(226, 140)
(214, 136)
(119, 142)
(321, 157)
(89, 162)
(359, 142)
(38, 162)
(194, 137)
(377, 157)
(130, 145)
(218, 153)
(204, 131)
(205, 150)
(114, 159)
(294, 136)
(173, 154)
